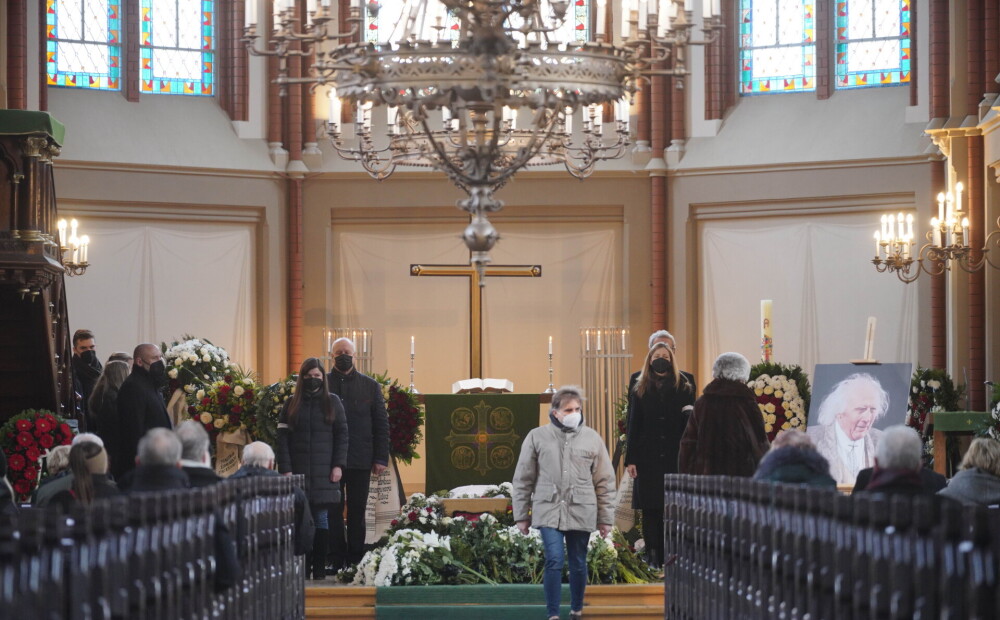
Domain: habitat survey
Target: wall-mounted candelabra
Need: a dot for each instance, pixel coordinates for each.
(73, 249)
(948, 242)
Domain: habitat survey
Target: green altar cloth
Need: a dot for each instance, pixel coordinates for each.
(27, 123)
(959, 421)
(475, 438)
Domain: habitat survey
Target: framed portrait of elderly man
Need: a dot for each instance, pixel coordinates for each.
(851, 404)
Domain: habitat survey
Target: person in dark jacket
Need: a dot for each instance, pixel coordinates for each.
(140, 407)
(658, 408)
(196, 460)
(978, 478)
(662, 335)
(725, 435)
(86, 370)
(259, 460)
(313, 441)
(897, 463)
(88, 461)
(8, 499)
(367, 454)
(931, 480)
(793, 459)
(102, 407)
(159, 464)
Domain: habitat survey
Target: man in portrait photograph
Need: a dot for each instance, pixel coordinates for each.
(844, 432)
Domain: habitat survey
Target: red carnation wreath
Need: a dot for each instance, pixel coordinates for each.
(26, 439)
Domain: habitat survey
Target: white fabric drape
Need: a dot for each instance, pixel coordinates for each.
(581, 285)
(818, 272)
(153, 282)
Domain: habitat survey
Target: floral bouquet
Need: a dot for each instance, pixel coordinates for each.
(271, 399)
(226, 405)
(406, 419)
(930, 390)
(193, 362)
(782, 394)
(26, 438)
(490, 549)
(992, 429)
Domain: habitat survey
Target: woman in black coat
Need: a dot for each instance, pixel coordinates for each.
(102, 409)
(312, 441)
(658, 407)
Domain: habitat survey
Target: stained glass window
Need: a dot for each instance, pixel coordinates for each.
(429, 18)
(83, 43)
(873, 43)
(176, 48)
(777, 46)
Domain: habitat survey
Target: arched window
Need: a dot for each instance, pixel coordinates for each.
(176, 47)
(873, 43)
(779, 39)
(83, 43)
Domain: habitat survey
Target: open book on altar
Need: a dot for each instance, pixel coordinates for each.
(474, 386)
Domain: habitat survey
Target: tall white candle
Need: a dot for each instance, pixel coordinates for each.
(940, 199)
(602, 8)
(598, 340)
(642, 15)
(586, 336)
(965, 232)
(623, 340)
(62, 233)
(936, 228)
(766, 326)
(85, 245)
(958, 195)
(878, 247)
(250, 12)
(706, 8)
(329, 341)
(550, 345)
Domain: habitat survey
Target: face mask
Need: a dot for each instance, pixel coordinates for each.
(660, 365)
(344, 362)
(89, 357)
(158, 371)
(312, 384)
(572, 420)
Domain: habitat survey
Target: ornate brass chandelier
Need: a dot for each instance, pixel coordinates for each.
(947, 243)
(479, 89)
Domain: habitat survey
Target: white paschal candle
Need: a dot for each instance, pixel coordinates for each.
(766, 328)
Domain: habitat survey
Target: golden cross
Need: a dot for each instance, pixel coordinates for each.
(476, 298)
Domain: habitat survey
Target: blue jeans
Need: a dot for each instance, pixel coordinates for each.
(321, 516)
(555, 555)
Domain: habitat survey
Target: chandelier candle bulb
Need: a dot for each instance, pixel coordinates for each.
(336, 106)
(643, 8)
(940, 200)
(892, 227)
(602, 9)
(716, 7)
(965, 231)
(623, 340)
(250, 13)
(586, 336)
(706, 8)
(84, 246)
(958, 195)
(568, 116)
(391, 118)
(62, 233)
(688, 5)
(73, 225)
(936, 228)
(878, 246)
(900, 233)
(909, 225)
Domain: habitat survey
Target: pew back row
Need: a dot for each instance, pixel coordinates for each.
(155, 556)
(737, 548)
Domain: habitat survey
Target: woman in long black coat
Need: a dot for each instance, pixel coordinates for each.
(312, 441)
(658, 407)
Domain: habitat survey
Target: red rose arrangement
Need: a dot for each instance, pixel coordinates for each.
(227, 405)
(26, 439)
(406, 419)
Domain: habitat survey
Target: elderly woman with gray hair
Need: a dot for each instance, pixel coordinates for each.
(725, 434)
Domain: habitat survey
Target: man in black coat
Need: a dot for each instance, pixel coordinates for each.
(196, 461)
(367, 450)
(259, 461)
(140, 406)
(86, 368)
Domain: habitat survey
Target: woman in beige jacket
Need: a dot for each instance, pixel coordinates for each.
(564, 485)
